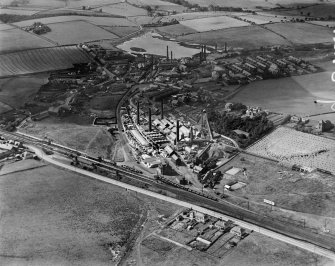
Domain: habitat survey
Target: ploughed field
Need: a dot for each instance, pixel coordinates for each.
(41, 60)
(294, 147)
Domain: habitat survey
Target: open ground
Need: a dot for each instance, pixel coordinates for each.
(237, 37)
(74, 132)
(17, 91)
(53, 217)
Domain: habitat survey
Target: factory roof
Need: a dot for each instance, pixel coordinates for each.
(139, 137)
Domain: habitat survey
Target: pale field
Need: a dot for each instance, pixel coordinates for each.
(124, 9)
(292, 95)
(75, 32)
(213, 23)
(19, 90)
(4, 26)
(176, 30)
(41, 60)
(199, 15)
(236, 37)
(264, 19)
(302, 33)
(16, 40)
(294, 147)
(101, 21)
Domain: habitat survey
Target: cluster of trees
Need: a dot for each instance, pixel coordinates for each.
(225, 124)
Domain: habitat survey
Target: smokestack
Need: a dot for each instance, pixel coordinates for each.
(150, 129)
(225, 47)
(191, 135)
(177, 130)
(171, 56)
(202, 53)
(162, 110)
(205, 55)
(167, 52)
(138, 112)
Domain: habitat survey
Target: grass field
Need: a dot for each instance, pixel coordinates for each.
(101, 21)
(16, 39)
(124, 9)
(237, 37)
(54, 217)
(75, 32)
(4, 108)
(213, 23)
(17, 91)
(320, 10)
(176, 30)
(41, 60)
(69, 132)
(57, 3)
(293, 95)
(324, 23)
(17, 11)
(122, 31)
(302, 33)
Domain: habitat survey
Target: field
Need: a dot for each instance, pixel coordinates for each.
(16, 39)
(176, 30)
(294, 147)
(264, 19)
(75, 32)
(17, 91)
(324, 23)
(105, 105)
(57, 4)
(4, 108)
(74, 132)
(302, 33)
(237, 37)
(122, 31)
(293, 95)
(321, 10)
(213, 23)
(235, 3)
(124, 9)
(54, 217)
(41, 60)
(100, 21)
(161, 5)
(17, 11)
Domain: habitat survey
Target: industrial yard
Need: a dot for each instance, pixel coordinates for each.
(115, 114)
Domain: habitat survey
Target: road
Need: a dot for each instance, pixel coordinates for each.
(289, 234)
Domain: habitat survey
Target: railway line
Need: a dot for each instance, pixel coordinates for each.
(188, 195)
